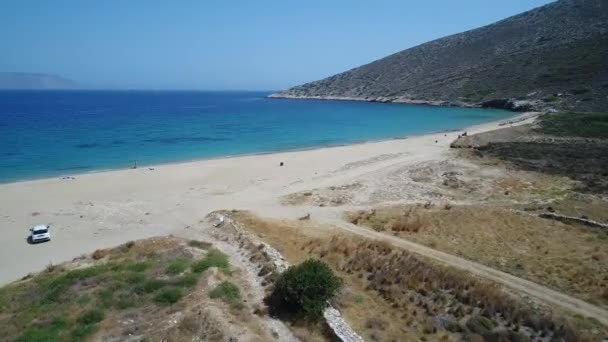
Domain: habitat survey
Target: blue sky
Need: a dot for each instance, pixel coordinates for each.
(214, 44)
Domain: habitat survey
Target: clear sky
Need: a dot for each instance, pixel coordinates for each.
(222, 44)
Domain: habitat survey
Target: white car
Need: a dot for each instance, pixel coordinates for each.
(40, 233)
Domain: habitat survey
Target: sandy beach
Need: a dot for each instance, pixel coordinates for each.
(104, 209)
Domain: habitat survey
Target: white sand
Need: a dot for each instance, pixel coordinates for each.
(108, 208)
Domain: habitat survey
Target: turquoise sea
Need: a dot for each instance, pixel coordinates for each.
(56, 133)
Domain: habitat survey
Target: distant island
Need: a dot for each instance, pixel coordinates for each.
(31, 81)
(554, 56)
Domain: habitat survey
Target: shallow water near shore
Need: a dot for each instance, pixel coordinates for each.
(54, 133)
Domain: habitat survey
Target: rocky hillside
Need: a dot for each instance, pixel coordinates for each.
(26, 80)
(552, 56)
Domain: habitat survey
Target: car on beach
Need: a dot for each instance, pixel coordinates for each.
(40, 233)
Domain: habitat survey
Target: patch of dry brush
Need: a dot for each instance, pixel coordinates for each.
(392, 294)
(454, 300)
(569, 258)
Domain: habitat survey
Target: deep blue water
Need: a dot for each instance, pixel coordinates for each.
(52, 133)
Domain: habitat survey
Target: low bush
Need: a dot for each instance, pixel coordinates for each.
(199, 244)
(214, 258)
(106, 297)
(91, 316)
(138, 266)
(226, 291)
(177, 266)
(580, 91)
(188, 280)
(55, 287)
(133, 278)
(125, 300)
(150, 286)
(51, 332)
(168, 296)
(81, 331)
(551, 99)
(99, 254)
(303, 291)
(405, 225)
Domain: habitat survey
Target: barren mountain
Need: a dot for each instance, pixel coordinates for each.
(552, 56)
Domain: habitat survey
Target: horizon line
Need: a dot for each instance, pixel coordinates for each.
(142, 90)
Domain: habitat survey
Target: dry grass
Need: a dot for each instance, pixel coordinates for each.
(409, 298)
(489, 180)
(578, 205)
(569, 258)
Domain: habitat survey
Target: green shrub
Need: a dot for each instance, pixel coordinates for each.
(106, 297)
(551, 99)
(378, 226)
(358, 299)
(81, 331)
(39, 334)
(91, 316)
(51, 332)
(84, 299)
(188, 280)
(168, 296)
(580, 91)
(479, 324)
(125, 300)
(56, 286)
(226, 291)
(199, 244)
(138, 266)
(214, 258)
(303, 290)
(132, 278)
(177, 266)
(150, 286)
(127, 246)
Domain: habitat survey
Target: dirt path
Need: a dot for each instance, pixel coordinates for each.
(520, 285)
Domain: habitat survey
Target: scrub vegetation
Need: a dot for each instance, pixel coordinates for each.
(71, 304)
(586, 125)
(391, 294)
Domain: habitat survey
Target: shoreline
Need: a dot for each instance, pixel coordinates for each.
(501, 122)
(509, 104)
(380, 99)
(105, 209)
